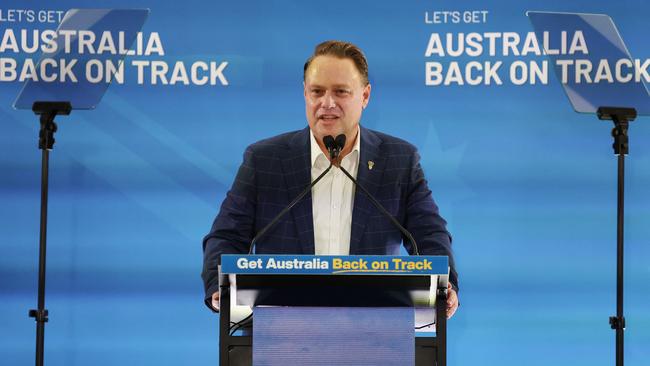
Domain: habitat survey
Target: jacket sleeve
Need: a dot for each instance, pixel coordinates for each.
(233, 228)
(424, 221)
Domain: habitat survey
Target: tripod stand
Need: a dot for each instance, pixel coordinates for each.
(47, 112)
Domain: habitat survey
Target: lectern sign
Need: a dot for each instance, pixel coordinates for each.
(333, 265)
(334, 309)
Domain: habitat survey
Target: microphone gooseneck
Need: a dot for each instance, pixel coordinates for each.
(378, 205)
(334, 147)
(327, 141)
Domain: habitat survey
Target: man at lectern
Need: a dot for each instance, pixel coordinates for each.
(336, 219)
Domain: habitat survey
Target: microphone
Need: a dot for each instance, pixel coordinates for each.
(334, 146)
(340, 141)
(334, 151)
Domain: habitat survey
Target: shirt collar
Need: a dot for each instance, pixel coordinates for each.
(316, 152)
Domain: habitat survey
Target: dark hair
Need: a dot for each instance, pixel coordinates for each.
(342, 50)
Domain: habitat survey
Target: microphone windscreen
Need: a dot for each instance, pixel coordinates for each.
(329, 142)
(340, 141)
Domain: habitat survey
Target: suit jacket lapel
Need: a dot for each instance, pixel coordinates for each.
(371, 180)
(297, 171)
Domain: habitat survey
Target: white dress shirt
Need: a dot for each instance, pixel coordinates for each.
(332, 200)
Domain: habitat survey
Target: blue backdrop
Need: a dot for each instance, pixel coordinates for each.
(527, 185)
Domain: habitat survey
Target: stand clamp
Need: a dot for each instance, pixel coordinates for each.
(48, 111)
(621, 118)
(617, 322)
(46, 134)
(39, 315)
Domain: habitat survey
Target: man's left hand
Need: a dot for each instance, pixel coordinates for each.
(452, 301)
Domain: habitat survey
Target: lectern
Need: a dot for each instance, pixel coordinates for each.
(383, 298)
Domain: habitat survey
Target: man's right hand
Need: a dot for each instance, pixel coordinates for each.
(215, 301)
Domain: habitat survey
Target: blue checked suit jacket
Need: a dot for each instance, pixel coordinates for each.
(277, 169)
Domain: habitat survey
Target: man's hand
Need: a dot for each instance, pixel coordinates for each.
(452, 301)
(215, 301)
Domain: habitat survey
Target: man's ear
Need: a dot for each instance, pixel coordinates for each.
(366, 96)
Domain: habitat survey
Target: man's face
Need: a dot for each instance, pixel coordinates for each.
(335, 96)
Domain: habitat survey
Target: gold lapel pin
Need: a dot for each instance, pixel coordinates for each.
(370, 164)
